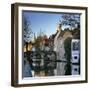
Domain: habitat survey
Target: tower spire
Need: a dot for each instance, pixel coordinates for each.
(59, 28)
(34, 37)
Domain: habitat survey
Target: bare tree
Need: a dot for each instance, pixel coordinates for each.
(71, 20)
(27, 31)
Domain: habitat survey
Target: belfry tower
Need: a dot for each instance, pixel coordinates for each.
(59, 28)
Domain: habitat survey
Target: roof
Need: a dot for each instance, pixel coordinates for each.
(63, 32)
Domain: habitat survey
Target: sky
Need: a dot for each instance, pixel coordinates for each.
(45, 22)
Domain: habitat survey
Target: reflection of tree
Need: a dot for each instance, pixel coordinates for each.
(27, 35)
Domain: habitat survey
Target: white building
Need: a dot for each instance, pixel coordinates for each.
(75, 69)
(59, 49)
(75, 52)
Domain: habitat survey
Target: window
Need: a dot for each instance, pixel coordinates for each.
(75, 57)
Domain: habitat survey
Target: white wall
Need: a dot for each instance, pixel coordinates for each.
(5, 45)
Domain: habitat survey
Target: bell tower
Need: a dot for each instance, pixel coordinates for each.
(59, 28)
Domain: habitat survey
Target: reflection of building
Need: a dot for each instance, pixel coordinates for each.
(42, 56)
(59, 48)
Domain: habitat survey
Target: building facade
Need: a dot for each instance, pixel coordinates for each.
(59, 49)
